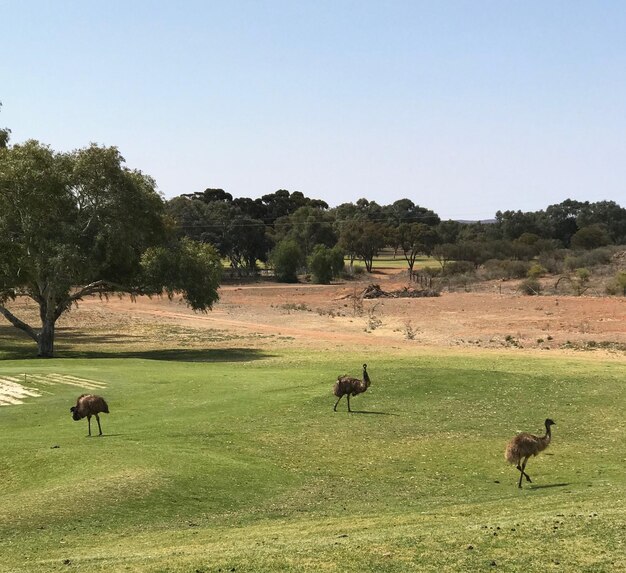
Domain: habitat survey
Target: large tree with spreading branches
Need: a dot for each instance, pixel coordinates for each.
(82, 223)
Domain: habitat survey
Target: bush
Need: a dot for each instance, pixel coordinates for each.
(618, 285)
(593, 258)
(458, 268)
(552, 261)
(530, 287)
(286, 259)
(535, 271)
(325, 263)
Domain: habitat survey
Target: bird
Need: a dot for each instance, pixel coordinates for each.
(524, 445)
(348, 386)
(88, 405)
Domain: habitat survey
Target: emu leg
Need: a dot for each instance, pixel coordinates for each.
(89, 424)
(337, 402)
(99, 426)
(349, 403)
(524, 473)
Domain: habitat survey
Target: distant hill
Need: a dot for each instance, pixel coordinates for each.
(483, 221)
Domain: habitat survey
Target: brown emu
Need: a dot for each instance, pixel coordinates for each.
(348, 386)
(89, 405)
(524, 445)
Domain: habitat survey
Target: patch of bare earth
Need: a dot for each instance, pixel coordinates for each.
(270, 315)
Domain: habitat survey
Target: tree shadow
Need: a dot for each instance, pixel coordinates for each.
(16, 345)
(175, 354)
(547, 486)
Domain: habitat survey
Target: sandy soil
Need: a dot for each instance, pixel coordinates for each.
(326, 317)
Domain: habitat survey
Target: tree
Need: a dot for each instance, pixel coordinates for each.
(562, 218)
(610, 215)
(249, 242)
(325, 264)
(405, 211)
(81, 223)
(308, 226)
(416, 238)
(370, 240)
(287, 259)
(349, 234)
(444, 253)
(590, 237)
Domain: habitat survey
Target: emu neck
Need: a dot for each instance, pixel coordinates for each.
(548, 435)
(366, 378)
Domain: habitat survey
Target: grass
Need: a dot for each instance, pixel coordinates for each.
(233, 460)
(386, 259)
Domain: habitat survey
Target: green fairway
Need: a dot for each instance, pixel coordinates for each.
(234, 460)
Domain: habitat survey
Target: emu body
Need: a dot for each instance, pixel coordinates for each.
(348, 386)
(524, 445)
(89, 405)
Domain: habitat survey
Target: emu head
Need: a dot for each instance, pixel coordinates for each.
(366, 377)
(75, 415)
(550, 422)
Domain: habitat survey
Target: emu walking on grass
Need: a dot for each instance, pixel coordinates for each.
(89, 405)
(524, 445)
(348, 386)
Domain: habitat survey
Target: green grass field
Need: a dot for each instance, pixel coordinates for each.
(233, 460)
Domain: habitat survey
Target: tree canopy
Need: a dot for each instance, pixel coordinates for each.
(81, 223)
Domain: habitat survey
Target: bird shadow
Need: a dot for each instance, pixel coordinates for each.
(549, 485)
(370, 412)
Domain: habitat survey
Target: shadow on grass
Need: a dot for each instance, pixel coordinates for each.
(175, 354)
(15, 345)
(547, 486)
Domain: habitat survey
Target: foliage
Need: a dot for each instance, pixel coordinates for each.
(308, 226)
(618, 285)
(590, 237)
(236, 235)
(530, 286)
(458, 268)
(416, 239)
(76, 224)
(535, 271)
(286, 259)
(504, 269)
(187, 266)
(574, 260)
(325, 264)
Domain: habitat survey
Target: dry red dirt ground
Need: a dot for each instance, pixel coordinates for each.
(267, 314)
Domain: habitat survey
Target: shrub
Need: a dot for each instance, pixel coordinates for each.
(530, 287)
(535, 271)
(325, 263)
(286, 259)
(458, 268)
(618, 285)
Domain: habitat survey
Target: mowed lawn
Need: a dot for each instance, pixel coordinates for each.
(234, 460)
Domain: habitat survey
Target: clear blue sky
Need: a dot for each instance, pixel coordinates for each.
(465, 107)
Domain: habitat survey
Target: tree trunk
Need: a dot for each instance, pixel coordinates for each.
(45, 339)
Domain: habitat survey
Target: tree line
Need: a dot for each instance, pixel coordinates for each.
(291, 232)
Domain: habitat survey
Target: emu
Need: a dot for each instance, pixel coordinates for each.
(524, 445)
(89, 405)
(348, 386)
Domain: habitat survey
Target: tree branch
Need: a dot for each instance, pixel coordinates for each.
(18, 323)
